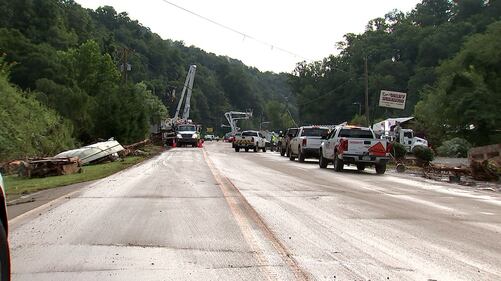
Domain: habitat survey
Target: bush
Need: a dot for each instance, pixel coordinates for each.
(423, 154)
(398, 151)
(456, 147)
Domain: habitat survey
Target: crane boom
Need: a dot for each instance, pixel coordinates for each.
(188, 85)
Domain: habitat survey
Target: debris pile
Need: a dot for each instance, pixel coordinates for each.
(485, 162)
(94, 153)
(439, 171)
(45, 167)
(134, 149)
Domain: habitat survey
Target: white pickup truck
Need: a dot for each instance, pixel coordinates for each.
(306, 143)
(250, 140)
(354, 145)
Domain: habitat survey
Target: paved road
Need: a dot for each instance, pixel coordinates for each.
(213, 214)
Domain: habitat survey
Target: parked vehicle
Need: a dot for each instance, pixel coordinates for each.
(209, 137)
(233, 138)
(392, 129)
(187, 134)
(285, 141)
(4, 230)
(250, 140)
(306, 143)
(356, 146)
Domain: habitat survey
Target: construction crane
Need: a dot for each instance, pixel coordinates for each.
(169, 126)
(234, 116)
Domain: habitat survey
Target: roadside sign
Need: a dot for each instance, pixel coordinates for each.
(210, 130)
(392, 99)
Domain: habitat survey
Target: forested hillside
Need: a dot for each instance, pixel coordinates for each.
(445, 54)
(71, 60)
(68, 62)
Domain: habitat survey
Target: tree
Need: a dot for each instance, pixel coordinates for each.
(467, 97)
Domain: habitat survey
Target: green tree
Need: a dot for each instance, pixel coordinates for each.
(466, 100)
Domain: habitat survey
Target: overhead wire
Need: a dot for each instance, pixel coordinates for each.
(245, 35)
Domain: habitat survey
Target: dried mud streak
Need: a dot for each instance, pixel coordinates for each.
(243, 211)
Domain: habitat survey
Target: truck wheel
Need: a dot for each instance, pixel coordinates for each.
(338, 164)
(322, 162)
(380, 169)
(291, 156)
(282, 151)
(4, 255)
(246, 150)
(264, 149)
(288, 152)
(237, 149)
(255, 148)
(193, 145)
(360, 167)
(300, 156)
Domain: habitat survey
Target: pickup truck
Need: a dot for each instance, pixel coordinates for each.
(306, 143)
(354, 145)
(250, 140)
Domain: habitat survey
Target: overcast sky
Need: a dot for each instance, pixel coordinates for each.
(308, 29)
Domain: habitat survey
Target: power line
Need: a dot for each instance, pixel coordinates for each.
(326, 94)
(272, 46)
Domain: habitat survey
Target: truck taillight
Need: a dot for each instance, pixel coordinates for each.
(304, 142)
(343, 145)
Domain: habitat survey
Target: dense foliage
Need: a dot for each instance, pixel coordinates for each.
(72, 60)
(445, 51)
(27, 126)
(423, 154)
(456, 147)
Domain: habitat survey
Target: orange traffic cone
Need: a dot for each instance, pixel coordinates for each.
(200, 143)
(174, 143)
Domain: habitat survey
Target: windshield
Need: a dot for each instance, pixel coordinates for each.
(186, 128)
(315, 132)
(356, 133)
(249, 134)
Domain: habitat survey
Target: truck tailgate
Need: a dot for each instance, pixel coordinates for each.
(364, 146)
(313, 142)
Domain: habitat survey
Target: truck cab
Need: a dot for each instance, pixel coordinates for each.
(187, 134)
(407, 138)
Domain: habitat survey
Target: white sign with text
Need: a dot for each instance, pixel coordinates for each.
(392, 99)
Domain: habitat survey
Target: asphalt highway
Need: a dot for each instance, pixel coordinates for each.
(214, 214)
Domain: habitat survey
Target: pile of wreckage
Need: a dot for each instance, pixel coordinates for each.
(485, 165)
(71, 161)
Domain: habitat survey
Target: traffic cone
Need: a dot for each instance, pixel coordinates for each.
(200, 143)
(174, 143)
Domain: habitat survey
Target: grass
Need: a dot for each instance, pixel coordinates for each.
(18, 185)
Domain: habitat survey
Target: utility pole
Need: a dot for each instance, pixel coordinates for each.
(124, 65)
(366, 91)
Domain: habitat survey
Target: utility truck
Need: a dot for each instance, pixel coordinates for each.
(188, 134)
(393, 130)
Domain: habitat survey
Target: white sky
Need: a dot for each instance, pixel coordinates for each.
(307, 28)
